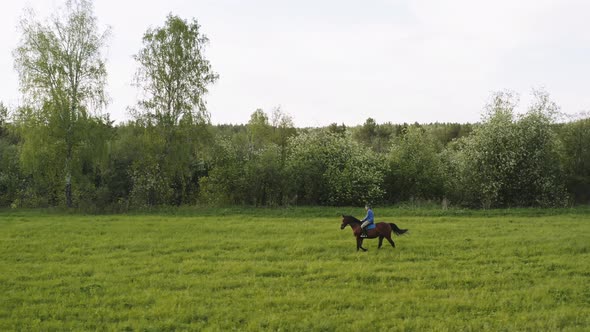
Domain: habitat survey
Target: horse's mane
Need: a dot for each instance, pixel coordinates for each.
(351, 217)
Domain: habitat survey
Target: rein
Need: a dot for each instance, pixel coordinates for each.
(352, 220)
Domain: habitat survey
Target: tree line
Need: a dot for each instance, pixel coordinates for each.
(59, 149)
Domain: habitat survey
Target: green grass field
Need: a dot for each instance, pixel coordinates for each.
(285, 270)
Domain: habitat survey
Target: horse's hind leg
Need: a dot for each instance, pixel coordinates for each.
(390, 241)
(380, 241)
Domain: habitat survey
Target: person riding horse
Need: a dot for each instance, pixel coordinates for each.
(368, 222)
(382, 230)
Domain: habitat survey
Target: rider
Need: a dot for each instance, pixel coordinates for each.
(369, 221)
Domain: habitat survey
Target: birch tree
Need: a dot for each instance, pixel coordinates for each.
(62, 75)
(173, 73)
(173, 76)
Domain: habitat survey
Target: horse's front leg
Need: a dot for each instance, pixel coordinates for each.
(359, 244)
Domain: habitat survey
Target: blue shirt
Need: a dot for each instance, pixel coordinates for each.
(370, 217)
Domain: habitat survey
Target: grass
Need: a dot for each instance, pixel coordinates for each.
(274, 270)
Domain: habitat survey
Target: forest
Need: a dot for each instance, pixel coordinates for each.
(59, 149)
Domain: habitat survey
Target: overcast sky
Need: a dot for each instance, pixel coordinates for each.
(344, 61)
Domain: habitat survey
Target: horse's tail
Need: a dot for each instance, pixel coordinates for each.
(396, 229)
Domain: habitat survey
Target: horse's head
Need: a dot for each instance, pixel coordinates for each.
(347, 220)
(344, 222)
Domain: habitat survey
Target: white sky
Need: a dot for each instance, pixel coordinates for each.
(345, 61)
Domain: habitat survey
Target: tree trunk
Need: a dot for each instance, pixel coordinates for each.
(72, 117)
(68, 172)
(69, 189)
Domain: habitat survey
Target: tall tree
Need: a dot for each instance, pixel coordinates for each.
(284, 129)
(367, 132)
(174, 76)
(174, 73)
(514, 161)
(62, 74)
(259, 131)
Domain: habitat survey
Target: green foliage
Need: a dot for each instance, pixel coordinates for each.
(174, 74)
(60, 62)
(259, 130)
(63, 74)
(150, 186)
(511, 162)
(414, 167)
(3, 119)
(336, 129)
(226, 181)
(60, 150)
(283, 130)
(367, 133)
(376, 136)
(10, 174)
(455, 173)
(249, 168)
(446, 133)
(49, 154)
(166, 163)
(331, 169)
(575, 138)
(538, 179)
(11, 179)
(490, 153)
(257, 272)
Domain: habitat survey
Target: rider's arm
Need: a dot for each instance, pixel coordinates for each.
(366, 217)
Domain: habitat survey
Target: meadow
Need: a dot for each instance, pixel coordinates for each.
(294, 270)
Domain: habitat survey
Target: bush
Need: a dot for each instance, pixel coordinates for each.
(331, 169)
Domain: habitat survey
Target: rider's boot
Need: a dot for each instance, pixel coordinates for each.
(363, 232)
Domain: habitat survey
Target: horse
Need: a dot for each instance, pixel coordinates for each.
(382, 230)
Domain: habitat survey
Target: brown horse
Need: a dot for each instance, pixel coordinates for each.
(382, 230)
